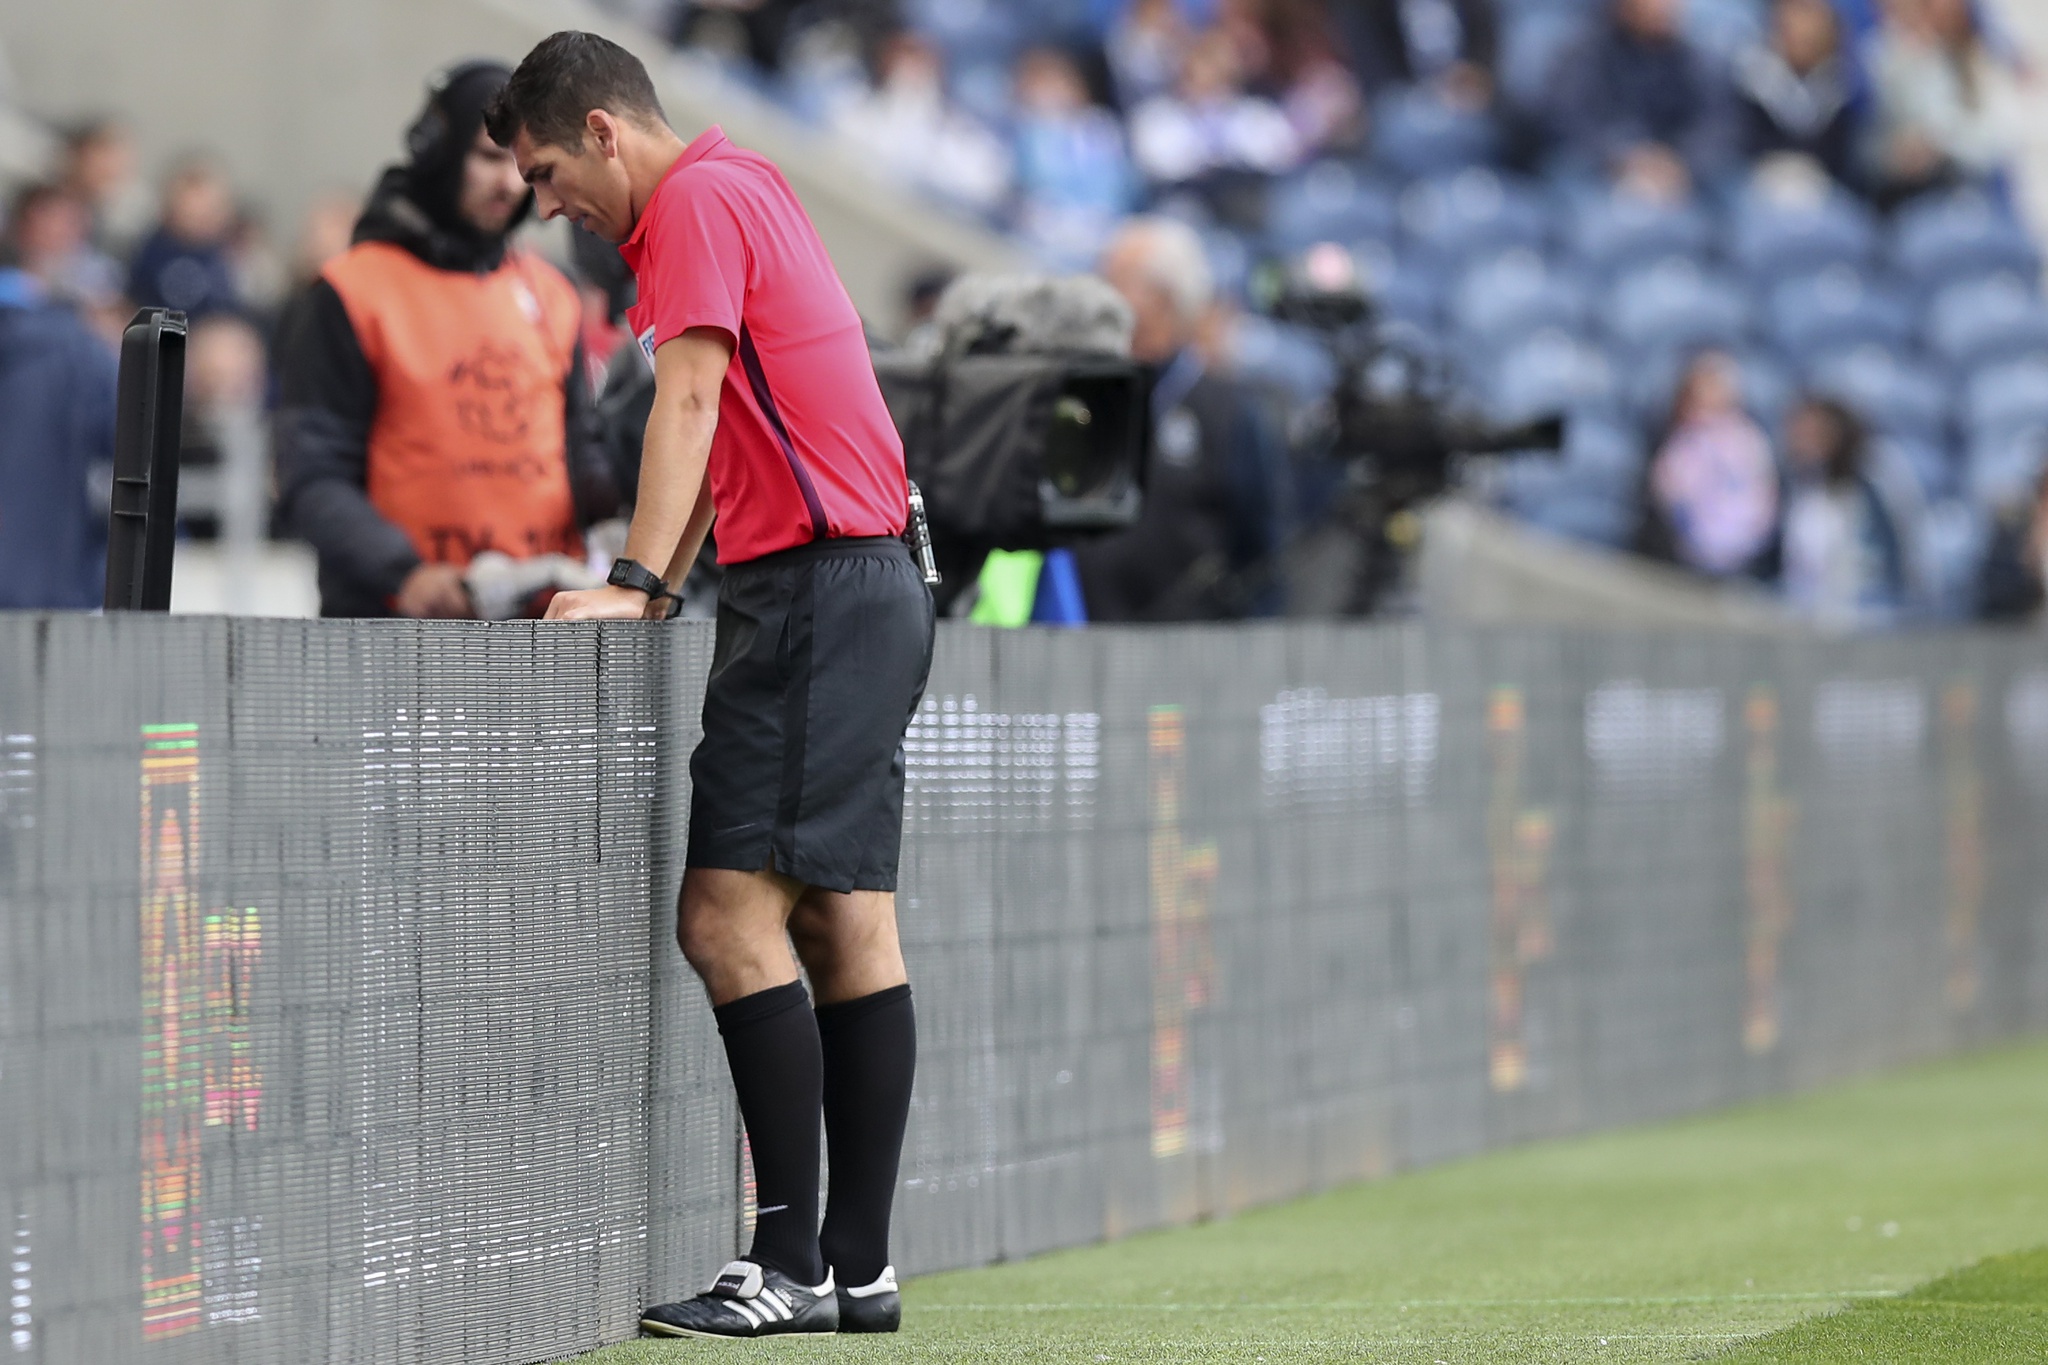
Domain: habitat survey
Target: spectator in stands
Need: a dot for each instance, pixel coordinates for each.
(1798, 93)
(1949, 109)
(1146, 48)
(326, 230)
(2014, 583)
(49, 236)
(917, 134)
(1074, 175)
(57, 394)
(1302, 65)
(1637, 102)
(1845, 552)
(1713, 495)
(185, 263)
(99, 168)
(1204, 545)
(1449, 46)
(1209, 127)
(433, 400)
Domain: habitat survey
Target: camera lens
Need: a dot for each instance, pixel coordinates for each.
(1081, 450)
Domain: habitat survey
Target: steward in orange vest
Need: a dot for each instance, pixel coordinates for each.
(434, 402)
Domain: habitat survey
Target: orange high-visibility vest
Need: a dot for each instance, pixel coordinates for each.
(467, 451)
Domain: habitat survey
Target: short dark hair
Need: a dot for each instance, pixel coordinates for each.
(567, 75)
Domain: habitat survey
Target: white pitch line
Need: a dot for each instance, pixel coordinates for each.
(1299, 1305)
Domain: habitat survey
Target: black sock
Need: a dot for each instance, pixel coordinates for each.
(870, 1047)
(771, 1044)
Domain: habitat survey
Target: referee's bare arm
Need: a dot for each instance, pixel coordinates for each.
(673, 513)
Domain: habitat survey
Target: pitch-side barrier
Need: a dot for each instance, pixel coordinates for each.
(340, 1019)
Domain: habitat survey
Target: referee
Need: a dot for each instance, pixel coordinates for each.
(767, 419)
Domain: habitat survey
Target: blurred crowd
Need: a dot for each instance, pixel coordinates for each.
(1763, 253)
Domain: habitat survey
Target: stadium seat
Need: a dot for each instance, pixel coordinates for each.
(1954, 535)
(1938, 241)
(1675, 305)
(1503, 300)
(1327, 202)
(2005, 468)
(1589, 493)
(1415, 133)
(1894, 397)
(1725, 28)
(1455, 218)
(1610, 234)
(1277, 356)
(1410, 292)
(1835, 310)
(1552, 371)
(1929, 463)
(1775, 237)
(2005, 400)
(1977, 323)
(1534, 38)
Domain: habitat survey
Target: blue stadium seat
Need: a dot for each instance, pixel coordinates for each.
(1278, 356)
(1973, 324)
(1930, 464)
(1938, 241)
(970, 32)
(1534, 39)
(1675, 305)
(1724, 27)
(1954, 535)
(1609, 234)
(1415, 134)
(2005, 468)
(2005, 400)
(1503, 300)
(1552, 371)
(1895, 398)
(1773, 238)
(1590, 493)
(1458, 217)
(1835, 310)
(1404, 291)
(1327, 202)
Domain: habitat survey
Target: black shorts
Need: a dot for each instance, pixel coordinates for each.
(821, 659)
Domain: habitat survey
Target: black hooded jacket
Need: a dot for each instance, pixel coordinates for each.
(328, 392)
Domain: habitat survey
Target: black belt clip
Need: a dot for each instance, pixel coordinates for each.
(918, 536)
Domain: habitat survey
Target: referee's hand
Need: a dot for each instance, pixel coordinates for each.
(599, 604)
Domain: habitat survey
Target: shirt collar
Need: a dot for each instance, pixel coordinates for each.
(707, 142)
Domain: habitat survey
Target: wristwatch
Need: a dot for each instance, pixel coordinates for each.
(631, 573)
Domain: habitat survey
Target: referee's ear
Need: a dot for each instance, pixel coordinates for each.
(601, 132)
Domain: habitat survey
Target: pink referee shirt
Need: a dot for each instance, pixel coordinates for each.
(804, 449)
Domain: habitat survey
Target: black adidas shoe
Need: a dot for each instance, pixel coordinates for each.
(748, 1300)
(875, 1307)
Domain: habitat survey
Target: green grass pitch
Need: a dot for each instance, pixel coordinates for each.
(1794, 1230)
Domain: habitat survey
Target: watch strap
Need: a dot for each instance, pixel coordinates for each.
(631, 573)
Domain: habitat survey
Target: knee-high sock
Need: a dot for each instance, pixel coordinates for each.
(870, 1048)
(771, 1043)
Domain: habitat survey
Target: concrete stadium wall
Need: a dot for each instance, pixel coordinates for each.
(304, 97)
(340, 1021)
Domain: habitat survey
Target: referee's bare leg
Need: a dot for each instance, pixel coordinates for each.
(737, 929)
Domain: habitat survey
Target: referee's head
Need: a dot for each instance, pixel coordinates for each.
(576, 113)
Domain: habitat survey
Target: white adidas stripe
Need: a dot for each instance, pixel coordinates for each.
(778, 1303)
(747, 1311)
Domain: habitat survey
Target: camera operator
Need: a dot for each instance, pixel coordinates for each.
(1204, 545)
(434, 401)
